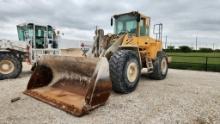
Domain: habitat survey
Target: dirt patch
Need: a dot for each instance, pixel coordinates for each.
(72, 52)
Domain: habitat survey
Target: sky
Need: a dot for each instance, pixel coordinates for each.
(183, 20)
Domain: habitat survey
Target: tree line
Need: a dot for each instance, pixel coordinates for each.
(189, 49)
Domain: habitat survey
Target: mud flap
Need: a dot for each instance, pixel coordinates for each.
(73, 84)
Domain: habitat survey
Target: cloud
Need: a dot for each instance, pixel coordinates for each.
(183, 19)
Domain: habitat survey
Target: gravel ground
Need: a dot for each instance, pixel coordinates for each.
(183, 97)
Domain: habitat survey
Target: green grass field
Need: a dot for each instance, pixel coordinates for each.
(214, 54)
(195, 61)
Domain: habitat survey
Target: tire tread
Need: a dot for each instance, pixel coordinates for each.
(116, 63)
(16, 61)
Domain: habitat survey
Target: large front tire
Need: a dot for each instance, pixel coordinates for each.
(160, 66)
(10, 66)
(125, 71)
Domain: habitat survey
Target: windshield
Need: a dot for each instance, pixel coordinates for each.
(125, 23)
(21, 32)
(25, 32)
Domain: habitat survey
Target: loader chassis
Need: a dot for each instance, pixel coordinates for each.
(136, 51)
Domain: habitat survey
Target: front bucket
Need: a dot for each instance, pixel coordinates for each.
(73, 84)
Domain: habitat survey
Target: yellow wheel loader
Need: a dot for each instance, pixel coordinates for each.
(79, 84)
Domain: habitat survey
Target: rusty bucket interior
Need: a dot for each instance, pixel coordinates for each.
(73, 84)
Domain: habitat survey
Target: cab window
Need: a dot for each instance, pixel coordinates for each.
(144, 29)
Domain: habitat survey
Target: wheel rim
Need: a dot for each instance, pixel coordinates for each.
(6, 67)
(132, 72)
(164, 66)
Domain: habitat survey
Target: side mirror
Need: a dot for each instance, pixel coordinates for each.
(111, 21)
(138, 18)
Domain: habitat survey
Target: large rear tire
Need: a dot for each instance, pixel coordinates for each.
(10, 66)
(160, 66)
(125, 71)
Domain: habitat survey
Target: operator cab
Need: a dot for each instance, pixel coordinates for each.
(39, 36)
(132, 23)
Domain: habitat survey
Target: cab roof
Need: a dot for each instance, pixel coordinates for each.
(134, 13)
(30, 23)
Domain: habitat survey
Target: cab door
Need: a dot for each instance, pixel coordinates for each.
(144, 32)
